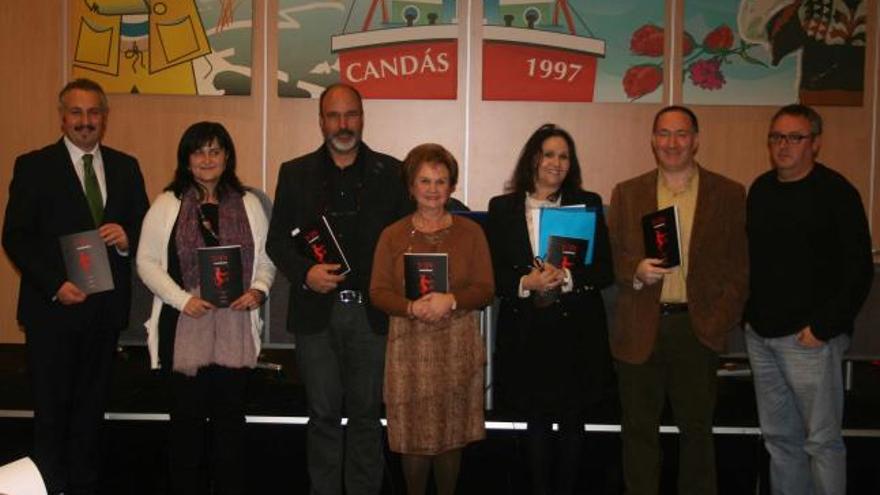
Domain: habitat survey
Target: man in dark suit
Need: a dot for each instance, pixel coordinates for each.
(340, 338)
(73, 185)
(671, 323)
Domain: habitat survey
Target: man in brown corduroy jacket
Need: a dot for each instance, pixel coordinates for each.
(671, 323)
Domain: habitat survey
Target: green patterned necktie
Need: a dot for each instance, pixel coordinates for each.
(93, 191)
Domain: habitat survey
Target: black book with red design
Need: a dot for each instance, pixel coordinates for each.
(220, 274)
(662, 237)
(86, 261)
(567, 252)
(318, 242)
(424, 273)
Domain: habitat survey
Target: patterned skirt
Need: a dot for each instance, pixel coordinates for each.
(434, 384)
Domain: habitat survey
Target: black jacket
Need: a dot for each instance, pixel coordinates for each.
(46, 201)
(298, 201)
(578, 340)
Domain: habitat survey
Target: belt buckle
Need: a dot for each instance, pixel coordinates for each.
(350, 296)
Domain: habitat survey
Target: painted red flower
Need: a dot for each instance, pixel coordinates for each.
(720, 38)
(688, 44)
(707, 74)
(647, 41)
(640, 80)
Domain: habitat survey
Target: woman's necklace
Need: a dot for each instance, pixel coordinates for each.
(206, 224)
(434, 236)
(422, 224)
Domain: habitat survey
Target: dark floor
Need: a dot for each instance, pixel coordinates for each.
(136, 449)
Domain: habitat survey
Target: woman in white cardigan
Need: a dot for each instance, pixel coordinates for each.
(207, 351)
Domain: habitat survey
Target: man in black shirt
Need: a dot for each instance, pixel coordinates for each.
(340, 338)
(811, 269)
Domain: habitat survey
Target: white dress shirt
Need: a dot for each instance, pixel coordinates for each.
(76, 155)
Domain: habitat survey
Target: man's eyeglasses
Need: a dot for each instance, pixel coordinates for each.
(793, 138)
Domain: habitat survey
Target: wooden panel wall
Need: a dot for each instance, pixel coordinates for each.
(30, 36)
(613, 139)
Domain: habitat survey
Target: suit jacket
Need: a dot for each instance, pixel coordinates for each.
(580, 311)
(717, 279)
(46, 201)
(298, 204)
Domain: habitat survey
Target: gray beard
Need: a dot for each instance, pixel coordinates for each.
(342, 148)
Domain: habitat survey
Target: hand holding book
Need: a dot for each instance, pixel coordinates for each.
(196, 307)
(651, 270)
(323, 277)
(545, 284)
(433, 307)
(251, 299)
(543, 277)
(69, 294)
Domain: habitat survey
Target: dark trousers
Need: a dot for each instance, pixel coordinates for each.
(554, 462)
(70, 374)
(218, 447)
(684, 370)
(343, 365)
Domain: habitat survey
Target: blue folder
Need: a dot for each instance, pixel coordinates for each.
(575, 221)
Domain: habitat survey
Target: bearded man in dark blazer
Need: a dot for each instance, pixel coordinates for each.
(671, 323)
(71, 186)
(340, 337)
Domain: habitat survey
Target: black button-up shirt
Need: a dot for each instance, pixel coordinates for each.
(343, 188)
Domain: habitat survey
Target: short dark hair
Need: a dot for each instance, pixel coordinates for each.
(523, 179)
(798, 110)
(429, 153)
(334, 87)
(83, 84)
(695, 124)
(198, 135)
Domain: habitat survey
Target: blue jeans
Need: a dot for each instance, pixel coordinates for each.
(344, 364)
(800, 405)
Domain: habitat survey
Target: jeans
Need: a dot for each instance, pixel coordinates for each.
(800, 405)
(683, 369)
(344, 364)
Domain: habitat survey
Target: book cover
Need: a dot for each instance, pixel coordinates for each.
(86, 261)
(573, 221)
(318, 242)
(424, 273)
(567, 252)
(662, 238)
(220, 274)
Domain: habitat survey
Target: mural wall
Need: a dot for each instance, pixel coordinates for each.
(386, 48)
(187, 47)
(772, 52)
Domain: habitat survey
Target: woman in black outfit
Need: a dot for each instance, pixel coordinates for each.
(207, 351)
(552, 352)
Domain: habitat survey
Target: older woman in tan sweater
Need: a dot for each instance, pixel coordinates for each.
(434, 360)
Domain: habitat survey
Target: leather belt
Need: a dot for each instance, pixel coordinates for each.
(350, 297)
(673, 308)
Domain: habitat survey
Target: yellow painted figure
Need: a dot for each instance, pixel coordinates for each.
(138, 46)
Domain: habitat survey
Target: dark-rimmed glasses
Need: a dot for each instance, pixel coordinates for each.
(792, 138)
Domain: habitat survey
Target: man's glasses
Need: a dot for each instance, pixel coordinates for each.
(793, 138)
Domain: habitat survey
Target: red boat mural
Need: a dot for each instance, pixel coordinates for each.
(529, 64)
(408, 62)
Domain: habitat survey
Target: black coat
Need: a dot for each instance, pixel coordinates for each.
(298, 201)
(46, 201)
(555, 358)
